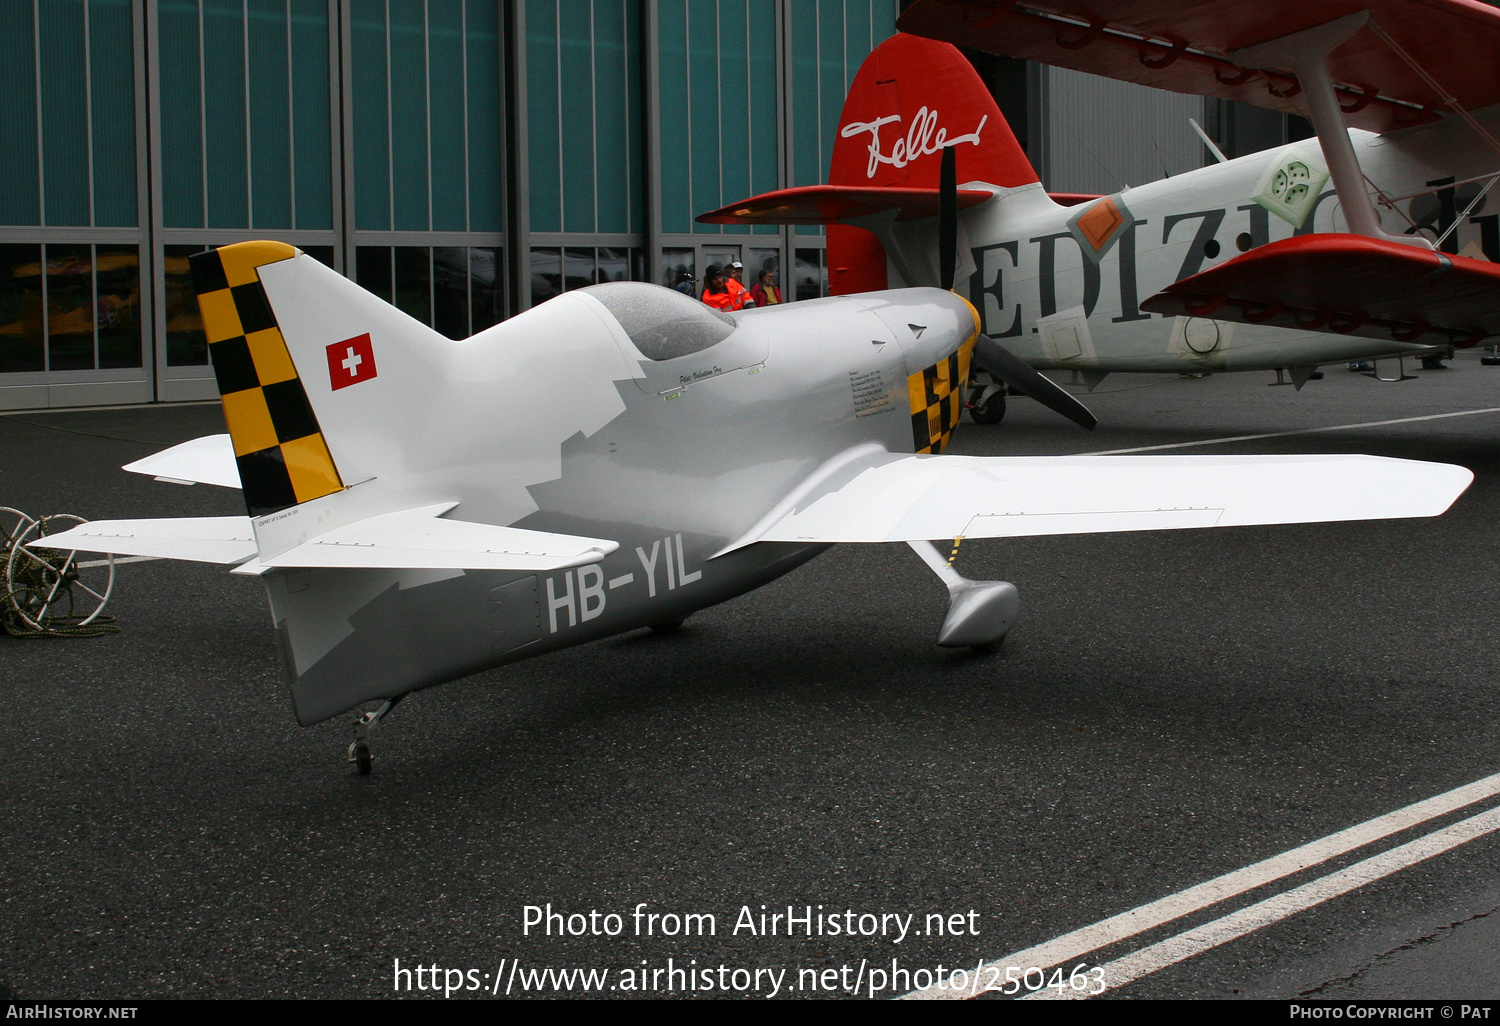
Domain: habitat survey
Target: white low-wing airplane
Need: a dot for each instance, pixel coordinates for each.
(1367, 241)
(421, 509)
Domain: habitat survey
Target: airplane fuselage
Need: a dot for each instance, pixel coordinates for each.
(1038, 291)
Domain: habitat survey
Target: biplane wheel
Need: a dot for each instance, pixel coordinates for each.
(991, 410)
(49, 587)
(359, 754)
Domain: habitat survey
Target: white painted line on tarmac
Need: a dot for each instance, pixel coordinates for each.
(118, 560)
(1074, 945)
(1288, 434)
(1185, 945)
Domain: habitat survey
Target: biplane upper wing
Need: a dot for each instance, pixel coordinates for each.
(1184, 47)
(1348, 284)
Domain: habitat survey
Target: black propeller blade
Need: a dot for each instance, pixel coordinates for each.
(1014, 371)
(989, 354)
(948, 218)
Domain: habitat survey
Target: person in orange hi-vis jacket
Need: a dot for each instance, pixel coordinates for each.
(715, 292)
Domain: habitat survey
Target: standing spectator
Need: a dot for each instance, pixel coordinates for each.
(686, 283)
(715, 293)
(732, 275)
(765, 292)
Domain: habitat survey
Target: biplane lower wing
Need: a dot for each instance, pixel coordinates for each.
(1346, 284)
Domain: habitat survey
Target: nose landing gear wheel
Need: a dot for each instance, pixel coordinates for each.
(990, 410)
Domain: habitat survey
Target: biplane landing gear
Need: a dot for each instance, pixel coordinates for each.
(359, 751)
(980, 613)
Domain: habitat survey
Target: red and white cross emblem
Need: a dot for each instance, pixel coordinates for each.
(351, 361)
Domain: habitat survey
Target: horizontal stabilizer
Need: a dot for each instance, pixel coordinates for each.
(206, 460)
(915, 498)
(1347, 284)
(832, 204)
(1186, 47)
(200, 539)
(420, 539)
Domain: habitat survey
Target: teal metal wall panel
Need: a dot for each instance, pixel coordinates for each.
(311, 106)
(227, 178)
(65, 133)
(676, 194)
(371, 104)
(445, 48)
(181, 114)
(485, 155)
(408, 86)
(576, 90)
(269, 100)
(112, 102)
(20, 200)
(542, 116)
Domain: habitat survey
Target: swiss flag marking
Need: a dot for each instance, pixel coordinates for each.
(351, 361)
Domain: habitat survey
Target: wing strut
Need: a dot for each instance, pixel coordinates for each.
(1306, 53)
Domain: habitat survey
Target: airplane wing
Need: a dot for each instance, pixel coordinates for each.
(1183, 47)
(1348, 284)
(828, 204)
(206, 460)
(892, 498)
(199, 539)
(410, 539)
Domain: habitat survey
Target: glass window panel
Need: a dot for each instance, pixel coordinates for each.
(19, 200)
(634, 103)
(704, 157)
(542, 142)
(614, 265)
(674, 264)
(186, 344)
(112, 76)
(408, 49)
(414, 281)
(311, 144)
(224, 114)
(65, 143)
(831, 78)
(21, 309)
(578, 268)
(486, 201)
(373, 271)
(676, 141)
(450, 291)
(487, 288)
(372, 181)
(182, 126)
(757, 260)
(445, 41)
(117, 305)
(812, 279)
(270, 114)
(70, 307)
(322, 254)
(546, 275)
(615, 136)
(576, 95)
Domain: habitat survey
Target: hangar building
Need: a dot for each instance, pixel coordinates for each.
(465, 159)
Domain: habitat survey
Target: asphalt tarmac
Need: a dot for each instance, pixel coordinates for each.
(1172, 706)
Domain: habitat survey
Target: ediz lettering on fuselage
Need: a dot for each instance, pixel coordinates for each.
(1247, 264)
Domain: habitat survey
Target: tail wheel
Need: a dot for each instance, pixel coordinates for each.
(47, 589)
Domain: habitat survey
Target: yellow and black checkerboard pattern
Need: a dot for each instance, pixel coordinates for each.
(937, 400)
(278, 446)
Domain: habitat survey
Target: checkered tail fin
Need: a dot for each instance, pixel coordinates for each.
(279, 447)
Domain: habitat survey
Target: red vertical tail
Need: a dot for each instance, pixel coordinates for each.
(912, 97)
